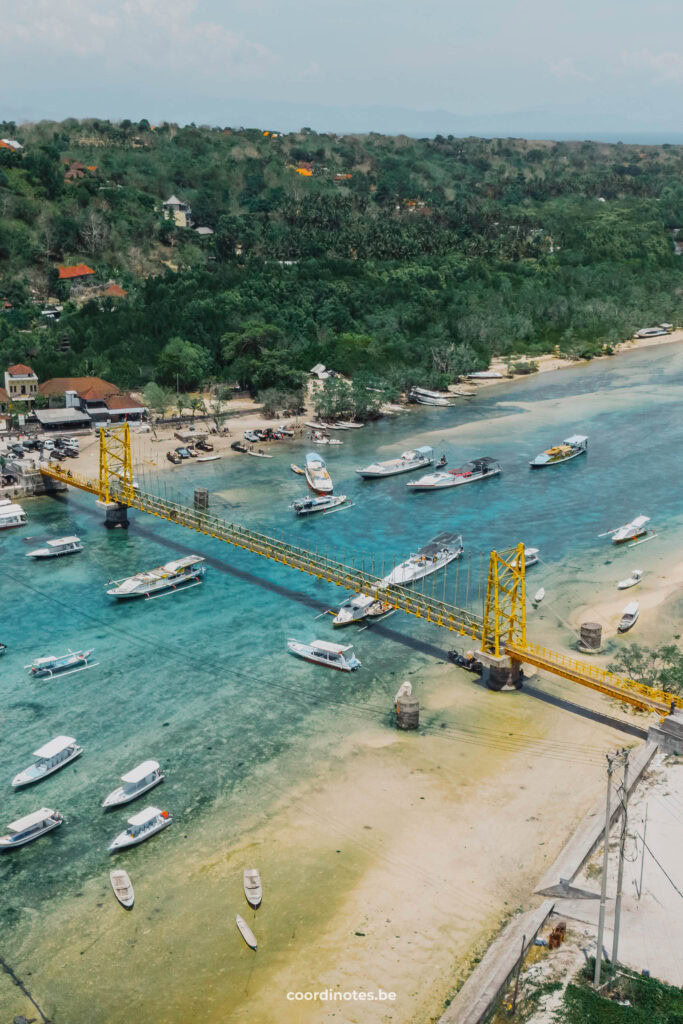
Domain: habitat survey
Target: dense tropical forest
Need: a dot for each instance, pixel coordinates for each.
(393, 260)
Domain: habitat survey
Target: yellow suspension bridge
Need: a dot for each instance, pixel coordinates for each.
(501, 631)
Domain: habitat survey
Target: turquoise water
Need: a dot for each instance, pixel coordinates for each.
(201, 680)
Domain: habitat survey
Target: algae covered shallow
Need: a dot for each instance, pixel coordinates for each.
(271, 762)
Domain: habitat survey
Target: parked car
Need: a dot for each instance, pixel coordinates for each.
(18, 450)
(48, 445)
(31, 444)
(59, 456)
(252, 435)
(183, 453)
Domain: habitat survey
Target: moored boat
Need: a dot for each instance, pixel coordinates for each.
(207, 458)
(317, 476)
(178, 574)
(359, 607)
(530, 557)
(239, 446)
(259, 453)
(55, 548)
(476, 469)
(174, 458)
(51, 665)
(321, 503)
(253, 889)
(539, 595)
(631, 581)
(135, 782)
(631, 531)
(246, 932)
(440, 551)
(123, 888)
(141, 827)
(51, 757)
(629, 616)
(31, 826)
(414, 458)
(11, 514)
(575, 445)
(424, 397)
(322, 652)
(297, 469)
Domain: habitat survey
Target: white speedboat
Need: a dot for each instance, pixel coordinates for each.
(55, 548)
(635, 578)
(631, 531)
(30, 827)
(140, 827)
(317, 477)
(317, 438)
(11, 514)
(348, 425)
(530, 557)
(180, 573)
(539, 595)
(252, 887)
(246, 932)
(415, 458)
(123, 888)
(322, 503)
(476, 469)
(321, 652)
(51, 666)
(359, 607)
(629, 616)
(51, 757)
(433, 556)
(135, 782)
(575, 445)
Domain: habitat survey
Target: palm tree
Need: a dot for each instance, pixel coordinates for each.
(197, 405)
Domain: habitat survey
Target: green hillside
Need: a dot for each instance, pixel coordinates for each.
(396, 259)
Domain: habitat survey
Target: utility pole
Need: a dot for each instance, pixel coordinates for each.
(622, 847)
(642, 859)
(603, 888)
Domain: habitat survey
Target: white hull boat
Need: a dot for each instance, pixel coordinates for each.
(136, 782)
(252, 887)
(424, 397)
(322, 503)
(477, 469)
(207, 458)
(141, 826)
(359, 607)
(51, 757)
(425, 400)
(50, 665)
(246, 932)
(539, 595)
(55, 548)
(30, 827)
(11, 514)
(179, 574)
(317, 477)
(321, 652)
(572, 447)
(416, 458)
(632, 581)
(629, 617)
(530, 557)
(445, 548)
(631, 531)
(123, 888)
(259, 454)
(348, 425)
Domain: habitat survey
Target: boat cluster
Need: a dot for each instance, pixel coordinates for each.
(201, 450)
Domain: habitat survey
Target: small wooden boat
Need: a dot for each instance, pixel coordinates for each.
(539, 595)
(253, 889)
(260, 454)
(123, 888)
(246, 932)
(629, 617)
(635, 577)
(297, 469)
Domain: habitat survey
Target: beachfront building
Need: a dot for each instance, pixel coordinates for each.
(21, 384)
(178, 211)
(98, 399)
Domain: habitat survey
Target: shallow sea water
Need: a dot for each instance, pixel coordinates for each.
(201, 680)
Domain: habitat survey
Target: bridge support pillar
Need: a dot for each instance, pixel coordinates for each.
(114, 514)
(668, 733)
(502, 672)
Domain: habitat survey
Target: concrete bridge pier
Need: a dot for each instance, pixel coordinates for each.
(115, 515)
(502, 672)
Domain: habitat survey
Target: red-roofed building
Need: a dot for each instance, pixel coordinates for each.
(21, 383)
(80, 271)
(115, 291)
(98, 398)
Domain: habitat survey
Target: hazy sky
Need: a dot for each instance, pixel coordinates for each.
(567, 64)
